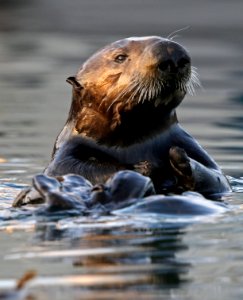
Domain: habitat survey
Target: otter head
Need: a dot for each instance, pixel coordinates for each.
(150, 72)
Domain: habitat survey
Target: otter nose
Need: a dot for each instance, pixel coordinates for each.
(173, 66)
(172, 58)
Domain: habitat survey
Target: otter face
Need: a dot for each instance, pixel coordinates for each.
(135, 70)
(127, 82)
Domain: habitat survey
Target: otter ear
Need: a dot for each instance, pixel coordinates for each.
(76, 85)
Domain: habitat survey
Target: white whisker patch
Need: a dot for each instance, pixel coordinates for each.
(193, 81)
(151, 87)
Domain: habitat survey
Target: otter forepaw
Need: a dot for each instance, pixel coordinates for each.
(180, 163)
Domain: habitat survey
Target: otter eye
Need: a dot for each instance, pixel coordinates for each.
(120, 58)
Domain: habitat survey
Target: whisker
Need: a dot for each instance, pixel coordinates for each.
(172, 35)
(193, 81)
(149, 88)
(122, 94)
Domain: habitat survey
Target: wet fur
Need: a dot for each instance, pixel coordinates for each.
(123, 117)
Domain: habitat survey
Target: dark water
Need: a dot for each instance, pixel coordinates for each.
(142, 257)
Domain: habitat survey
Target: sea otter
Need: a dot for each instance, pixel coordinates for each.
(123, 117)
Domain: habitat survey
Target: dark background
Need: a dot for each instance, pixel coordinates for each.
(122, 18)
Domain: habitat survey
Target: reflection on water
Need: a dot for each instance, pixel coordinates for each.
(111, 256)
(116, 256)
